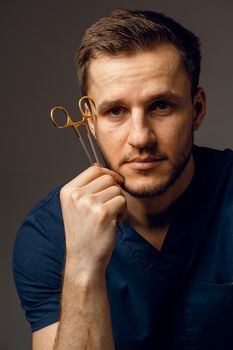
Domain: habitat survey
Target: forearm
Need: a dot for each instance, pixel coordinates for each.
(85, 321)
(91, 204)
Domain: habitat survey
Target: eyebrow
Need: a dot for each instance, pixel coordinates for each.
(167, 95)
(106, 105)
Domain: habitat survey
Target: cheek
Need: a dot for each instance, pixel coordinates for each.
(111, 140)
(175, 133)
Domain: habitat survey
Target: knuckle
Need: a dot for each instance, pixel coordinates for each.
(68, 194)
(64, 192)
(97, 169)
(116, 190)
(97, 210)
(88, 202)
(108, 179)
(74, 195)
(122, 199)
(101, 212)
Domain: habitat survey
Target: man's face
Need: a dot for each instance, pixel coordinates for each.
(144, 124)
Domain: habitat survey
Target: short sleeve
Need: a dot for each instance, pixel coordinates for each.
(38, 259)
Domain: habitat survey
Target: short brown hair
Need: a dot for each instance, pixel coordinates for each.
(128, 31)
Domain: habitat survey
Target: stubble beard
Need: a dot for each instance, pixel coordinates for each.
(158, 189)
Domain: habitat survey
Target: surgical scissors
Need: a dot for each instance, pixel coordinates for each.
(86, 112)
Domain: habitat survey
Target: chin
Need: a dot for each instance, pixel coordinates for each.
(146, 190)
(153, 182)
(155, 185)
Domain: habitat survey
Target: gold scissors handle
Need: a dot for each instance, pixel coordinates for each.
(87, 107)
(87, 111)
(68, 120)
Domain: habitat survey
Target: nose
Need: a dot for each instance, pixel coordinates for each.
(141, 133)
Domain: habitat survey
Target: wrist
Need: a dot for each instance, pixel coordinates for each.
(88, 275)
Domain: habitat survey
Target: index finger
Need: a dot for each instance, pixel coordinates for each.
(92, 173)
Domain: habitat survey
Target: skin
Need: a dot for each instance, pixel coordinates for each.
(93, 203)
(138, 118)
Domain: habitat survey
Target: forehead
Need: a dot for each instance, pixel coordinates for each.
(158, 68)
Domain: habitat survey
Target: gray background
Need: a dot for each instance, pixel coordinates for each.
(37, 41)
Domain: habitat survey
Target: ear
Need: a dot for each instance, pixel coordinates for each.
(199, 108)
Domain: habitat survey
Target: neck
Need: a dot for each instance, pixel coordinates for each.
(149, 213)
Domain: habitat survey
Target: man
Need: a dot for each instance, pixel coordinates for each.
(166, 280)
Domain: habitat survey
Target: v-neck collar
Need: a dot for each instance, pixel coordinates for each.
(183, 238)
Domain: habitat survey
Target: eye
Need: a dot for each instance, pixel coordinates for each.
(161, 106)
(116, 111)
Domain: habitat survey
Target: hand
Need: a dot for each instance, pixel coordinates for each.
(92, 203)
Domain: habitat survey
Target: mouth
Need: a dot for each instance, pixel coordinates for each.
(144, 163)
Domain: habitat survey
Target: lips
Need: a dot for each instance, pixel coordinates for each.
(144, 160)
(144, 163)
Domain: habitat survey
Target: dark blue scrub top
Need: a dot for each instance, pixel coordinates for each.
(178, 298)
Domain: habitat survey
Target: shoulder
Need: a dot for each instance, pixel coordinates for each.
(43, 223)
(38, 259)
(211, 154)
(214, 163)
(215, 176)
(46, 217)
(50, 204)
